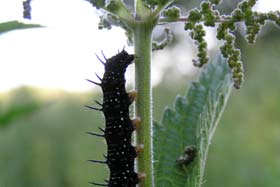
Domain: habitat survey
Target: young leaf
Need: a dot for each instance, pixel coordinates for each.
(13, 25)
(190, 127)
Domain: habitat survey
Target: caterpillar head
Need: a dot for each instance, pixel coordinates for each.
(119, 62)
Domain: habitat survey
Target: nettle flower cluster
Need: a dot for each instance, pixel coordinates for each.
(207, 15)
(162, 11)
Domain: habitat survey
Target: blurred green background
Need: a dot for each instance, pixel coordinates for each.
(43, 141)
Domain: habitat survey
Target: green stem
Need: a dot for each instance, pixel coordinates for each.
(143, 105)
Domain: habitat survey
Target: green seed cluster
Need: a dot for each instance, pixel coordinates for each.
(253, 25)
(111, 6)
(198, 33)
(275, 17)
(228, 50)
(166, 41)
(208, 15)
(108, 20)
(234, 59)
(253, 21)
(172, 13)
(104, 23)
(205, 14)
(227, 27)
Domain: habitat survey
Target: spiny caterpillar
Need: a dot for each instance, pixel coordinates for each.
(119, 127)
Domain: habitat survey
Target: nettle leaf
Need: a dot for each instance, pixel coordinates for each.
(13, 25)
(182, 139)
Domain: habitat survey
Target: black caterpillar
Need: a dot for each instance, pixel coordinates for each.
(119, 127)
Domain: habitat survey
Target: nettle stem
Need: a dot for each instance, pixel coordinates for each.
(143, 105)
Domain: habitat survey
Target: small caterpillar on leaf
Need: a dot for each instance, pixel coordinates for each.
(190, 153)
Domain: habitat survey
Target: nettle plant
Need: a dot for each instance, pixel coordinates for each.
(174, 151)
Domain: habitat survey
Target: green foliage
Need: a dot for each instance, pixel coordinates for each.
(19, 105)
(97, 3)
(16, 112)
(192, 123)
(45, 149)
(13, 25)
(251, 118)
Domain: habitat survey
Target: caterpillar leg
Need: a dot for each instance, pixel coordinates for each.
(132, 95)
(139, 148)
(136, 123)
